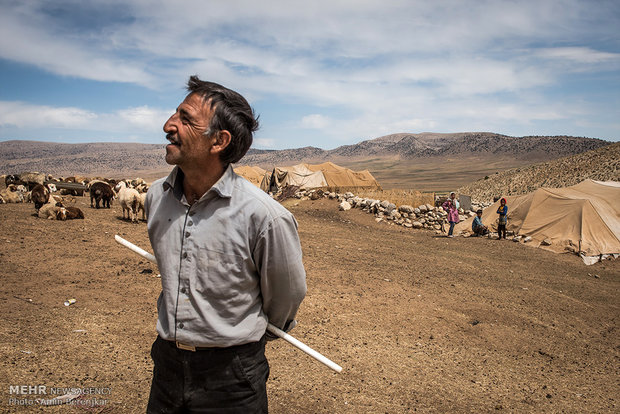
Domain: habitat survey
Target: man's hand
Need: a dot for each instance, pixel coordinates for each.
(289, 325)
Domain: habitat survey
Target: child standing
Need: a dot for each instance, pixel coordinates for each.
(451, 205)
(502, 210)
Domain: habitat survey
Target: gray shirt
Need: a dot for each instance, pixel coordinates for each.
(229, 263)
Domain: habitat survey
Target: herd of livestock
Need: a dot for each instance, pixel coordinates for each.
(50, 194)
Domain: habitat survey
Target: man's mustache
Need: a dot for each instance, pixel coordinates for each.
(172, 138)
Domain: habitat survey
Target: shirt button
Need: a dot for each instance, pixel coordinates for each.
(189, 223)
(183, 290)
(191, 213)
(185, 255)
(187, 234)
(181, 325)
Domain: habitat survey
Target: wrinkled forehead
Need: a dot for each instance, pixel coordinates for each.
(200, 99)
(195, 106)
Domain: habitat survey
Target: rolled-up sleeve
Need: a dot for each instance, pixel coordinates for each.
(278, 258)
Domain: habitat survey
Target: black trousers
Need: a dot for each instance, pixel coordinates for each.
(215, 380)
(501, 228)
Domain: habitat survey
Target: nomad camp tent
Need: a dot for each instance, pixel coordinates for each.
(328, 174)
(254, 175)
(584, 218)
(298, 175)
(337, 176)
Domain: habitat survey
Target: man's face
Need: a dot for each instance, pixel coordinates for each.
(188, 146)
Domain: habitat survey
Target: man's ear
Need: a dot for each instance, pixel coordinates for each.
(222, 139)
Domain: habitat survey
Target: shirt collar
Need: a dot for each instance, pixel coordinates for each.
(223, 187)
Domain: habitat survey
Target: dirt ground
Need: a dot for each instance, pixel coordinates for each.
(419, 322)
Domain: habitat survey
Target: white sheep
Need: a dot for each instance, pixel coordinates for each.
(129, 199)
(12, 195)
(141, 205)
(50, 210)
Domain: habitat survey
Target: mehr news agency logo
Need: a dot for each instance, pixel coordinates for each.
(44, 395)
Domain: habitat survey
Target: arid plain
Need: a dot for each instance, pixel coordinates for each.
(419, 322)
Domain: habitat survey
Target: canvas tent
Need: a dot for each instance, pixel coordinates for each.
(254, 175)
(298, 175)
(585, 217)
(337, 176)
(328, 174)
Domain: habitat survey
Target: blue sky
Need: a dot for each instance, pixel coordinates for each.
(319, 73)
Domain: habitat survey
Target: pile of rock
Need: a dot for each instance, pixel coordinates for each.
(424, 216)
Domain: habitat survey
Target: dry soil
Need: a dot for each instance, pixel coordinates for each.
(419, 322)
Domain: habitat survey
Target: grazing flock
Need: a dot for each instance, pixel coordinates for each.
(51, 195)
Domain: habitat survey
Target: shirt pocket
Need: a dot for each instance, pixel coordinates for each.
(221, 275)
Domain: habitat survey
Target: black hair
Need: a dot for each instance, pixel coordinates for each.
(232, 113)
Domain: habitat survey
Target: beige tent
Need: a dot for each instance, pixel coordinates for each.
(337, 176)
(254, 175)
(585, 216)
(298, 175)
(327, 174)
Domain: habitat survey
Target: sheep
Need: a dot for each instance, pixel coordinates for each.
(32, 179)
(141, 206)
(52, 211)
(12, 179)
(129, 200)
(23, 190)
(100, 192)
(74, 192)
(40, 195)
(137, 182)
(69, 213)
(12, 195)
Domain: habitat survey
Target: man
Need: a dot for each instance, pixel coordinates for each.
(477, 227)
(229, 257)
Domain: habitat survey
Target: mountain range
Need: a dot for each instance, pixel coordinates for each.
(398, 160)
(409, 146)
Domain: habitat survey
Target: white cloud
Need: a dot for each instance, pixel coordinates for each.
(578, 55)
(264, 143)
(144, 117)
(315, 121)
(24, 115)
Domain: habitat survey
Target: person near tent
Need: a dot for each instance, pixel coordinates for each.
(502, 210)
(229, 257)
(477, 227)
(451, 206)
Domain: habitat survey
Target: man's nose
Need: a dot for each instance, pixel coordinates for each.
(169, 126)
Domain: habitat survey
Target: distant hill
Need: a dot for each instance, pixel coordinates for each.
(426, 161)
(410, 146)
(602, 164)
(100, 158)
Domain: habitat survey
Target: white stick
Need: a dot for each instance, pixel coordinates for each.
(298, 344)
(278, 332)
(135, 249)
